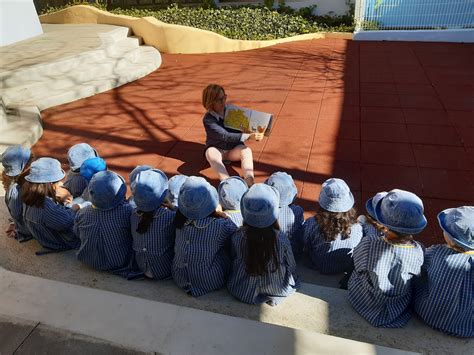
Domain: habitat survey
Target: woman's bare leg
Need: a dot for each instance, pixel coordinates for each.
(244, 154)
(214, 157)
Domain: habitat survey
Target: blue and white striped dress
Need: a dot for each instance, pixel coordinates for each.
(444, 294)
(52, 225)
(201, 255)
(380, 288)
(154, 249)
(75, 183)
(330, 257)
(291, 220)
(15, 207)
(236, 217)
(271, 288)
(106, 240)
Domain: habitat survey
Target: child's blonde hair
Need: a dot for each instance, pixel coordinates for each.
(210, 95)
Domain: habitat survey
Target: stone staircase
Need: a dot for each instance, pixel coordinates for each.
(66, 63)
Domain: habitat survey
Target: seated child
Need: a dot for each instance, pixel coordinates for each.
(444, 294)
(370, 226)
(333, 233)
(291, 217)
(47, 219)
(264, 269)
(230, 193)
(152, 225)
(201, 262)
(16, 161)
(76, 155)
(380, 288)
(104, 227)
(131, 179)
(174, 184)
(89, 168)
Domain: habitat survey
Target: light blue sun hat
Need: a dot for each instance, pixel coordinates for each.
(372, 202)
(107, 190)
(197, 198)
(401, 211)
(231, 191)
(285, 185)
(260, 205)
(78, 153)
(174, 185)
(14, 159)
(45, 170)
(92, 166)
(149, 189)
(138, 169)
(458, 223)
(336, 196)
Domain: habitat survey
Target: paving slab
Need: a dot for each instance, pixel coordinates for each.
(13, 332)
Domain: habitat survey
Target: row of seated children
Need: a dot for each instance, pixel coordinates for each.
(175, 230)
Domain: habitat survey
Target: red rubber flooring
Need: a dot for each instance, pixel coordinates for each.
(379, 115)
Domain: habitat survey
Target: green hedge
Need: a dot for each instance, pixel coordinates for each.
(248, 23)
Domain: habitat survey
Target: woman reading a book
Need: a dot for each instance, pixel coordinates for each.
(225, 144)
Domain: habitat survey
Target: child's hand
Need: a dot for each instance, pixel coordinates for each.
(75, 207)
(221, 214)
(63, 195)
(11, 230)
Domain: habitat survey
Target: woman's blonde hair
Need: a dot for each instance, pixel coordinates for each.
(210, 95)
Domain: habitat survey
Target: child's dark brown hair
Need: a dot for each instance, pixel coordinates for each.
(331, 224)
(33, 194)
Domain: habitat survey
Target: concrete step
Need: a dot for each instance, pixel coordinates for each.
(151, 326)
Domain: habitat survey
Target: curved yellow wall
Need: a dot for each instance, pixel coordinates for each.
(169, 38)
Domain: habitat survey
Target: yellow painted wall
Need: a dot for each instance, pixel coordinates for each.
(170, 38)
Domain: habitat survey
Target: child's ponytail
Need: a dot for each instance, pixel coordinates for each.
(145, 221)
(260, 249)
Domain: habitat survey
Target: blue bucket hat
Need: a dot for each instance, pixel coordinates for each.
(45, 170)
(107, 190)
(285, 185)
(260, 205)
(14, 159)
(372, 202)
(197, 198)
(401, 211)
(458, 223)
(231, 191)
(92, 166)
(335, 196)
(174, 185)
(134, 173)
(149, 189)
(78, 153)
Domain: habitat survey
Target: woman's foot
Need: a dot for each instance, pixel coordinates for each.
(250, 180)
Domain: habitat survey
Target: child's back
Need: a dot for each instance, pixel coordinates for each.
(444, 294)
(334, 256)
(278, 282)
(152, 225)
(104, 227)
(201, 261)
(380, 288)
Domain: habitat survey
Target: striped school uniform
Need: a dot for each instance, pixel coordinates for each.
(75, 183)
(236, 217)
(154, 249)
(201, 255)
(380, 288)
(291, 220)
(52, 225)
(273, 287)
(330, 257)
(444, 294)
(106, 240)
(15, 207)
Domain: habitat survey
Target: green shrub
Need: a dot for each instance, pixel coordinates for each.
(243, 22)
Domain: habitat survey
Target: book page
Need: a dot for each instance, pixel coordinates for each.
(246, 120)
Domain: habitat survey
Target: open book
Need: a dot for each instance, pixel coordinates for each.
(247, 120)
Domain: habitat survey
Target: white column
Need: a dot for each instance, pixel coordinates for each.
(18, 21)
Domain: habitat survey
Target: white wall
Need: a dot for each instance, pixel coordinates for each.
(335, 7)
(18, 21)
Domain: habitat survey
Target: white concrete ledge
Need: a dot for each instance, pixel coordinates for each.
(154, 326)
(459, 36)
